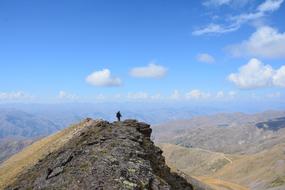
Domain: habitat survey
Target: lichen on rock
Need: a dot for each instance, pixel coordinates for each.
(105, 156)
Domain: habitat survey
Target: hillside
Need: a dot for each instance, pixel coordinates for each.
(30, 155)
(227, 133)
(261, 171)
(10, 146)
(18, 129)
(228, 149)
(16, 123)
(98, 154)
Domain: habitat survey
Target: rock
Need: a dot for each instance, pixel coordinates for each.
(105, 156)
(54, 172)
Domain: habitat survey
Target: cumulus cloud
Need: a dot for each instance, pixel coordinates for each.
(233, 23)
(279, 77)
(14, 96)
(255, 74)
(150, 71)
(265, 42)
(205, 58)
(221, 95)
(66, 96)
(138, 96)
(103, 78)
(197, 94)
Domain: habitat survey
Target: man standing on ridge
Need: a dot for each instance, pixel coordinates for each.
(119, 115)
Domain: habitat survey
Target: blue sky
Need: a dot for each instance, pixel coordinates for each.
(158, 50)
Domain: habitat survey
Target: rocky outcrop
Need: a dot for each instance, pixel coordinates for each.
(104, 156)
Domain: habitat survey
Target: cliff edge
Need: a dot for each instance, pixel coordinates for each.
(104, 156)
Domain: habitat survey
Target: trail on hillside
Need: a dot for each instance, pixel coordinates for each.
(224, 156)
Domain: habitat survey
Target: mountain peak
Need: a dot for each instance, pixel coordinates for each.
(103, 155)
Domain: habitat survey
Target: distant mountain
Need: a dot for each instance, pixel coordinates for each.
(10, 146)
(23, 122)
(15, 123)
(94, 154)
(227, 133)
(65, 114)
(18, 129)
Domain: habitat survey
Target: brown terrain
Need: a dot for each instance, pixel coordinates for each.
(228, 151)
(93, 154)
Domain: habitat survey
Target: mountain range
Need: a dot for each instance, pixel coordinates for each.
(223, 150)
(230, 151)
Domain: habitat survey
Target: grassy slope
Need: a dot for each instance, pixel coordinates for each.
(194, 160)
(33, 153)
(263, 170)
(198, 162)
(219, 184)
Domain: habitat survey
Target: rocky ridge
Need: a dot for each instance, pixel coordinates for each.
(104, 155)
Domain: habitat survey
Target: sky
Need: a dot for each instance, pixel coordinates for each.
(142, 50)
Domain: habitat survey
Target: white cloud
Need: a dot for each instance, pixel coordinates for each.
(12, 96)
(232, 94)
(205, 58)
(265, 42)
(215, 29)
(196, 94)
(279, 77)
(157, 96)
(255, 74)
(233, 23)
(270, 5)
(216, 2)
(66, 96)
(103, 78)
(176, 95)
(262, 10)
(138, 96)
(220, 94)
(100, 97)
(150, 71)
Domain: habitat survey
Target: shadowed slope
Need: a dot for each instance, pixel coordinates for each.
(31, 154)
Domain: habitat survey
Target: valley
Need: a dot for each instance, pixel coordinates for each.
(227, 151)
(238, 155)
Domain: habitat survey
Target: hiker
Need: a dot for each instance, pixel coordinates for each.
(119, 115)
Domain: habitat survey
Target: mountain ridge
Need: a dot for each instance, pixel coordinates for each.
(102, 155)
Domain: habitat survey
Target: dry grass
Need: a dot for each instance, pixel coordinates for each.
(262, 167)
(219, 184)
(256, 171)
(29, 156)
(194, 160)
